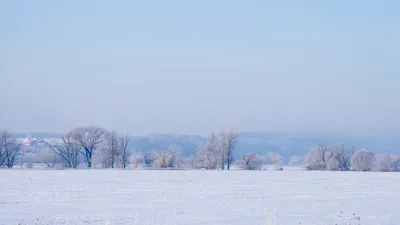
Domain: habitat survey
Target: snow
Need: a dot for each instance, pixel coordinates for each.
(196, 197)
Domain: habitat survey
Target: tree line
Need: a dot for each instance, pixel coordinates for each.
(96, 147)
(337, 158)
(74, 148)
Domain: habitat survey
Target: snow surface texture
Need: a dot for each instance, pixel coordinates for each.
(196, 197)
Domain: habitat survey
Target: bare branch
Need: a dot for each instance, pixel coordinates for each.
(68, 150)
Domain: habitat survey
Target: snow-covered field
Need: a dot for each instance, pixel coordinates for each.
(196, 197)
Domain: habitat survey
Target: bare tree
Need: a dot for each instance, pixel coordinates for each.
(114, 152)
(12, 151)
(227, 144)
(9, 149)
(206, 157)
(123, 143)
(111, 152)
(89, 139)
(362, 160)
(48, 157)
(166, 159)
(68, 150)
(250, 161)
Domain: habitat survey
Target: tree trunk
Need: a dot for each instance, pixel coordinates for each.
(124, 160)
(22, 158)
(89, 158)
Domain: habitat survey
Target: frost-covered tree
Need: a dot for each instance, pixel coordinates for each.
(318, 157)
(115, 152)
(274, 159)
(343, 158)
(333, 164)
(395, 163)
(339, 159)
(314, 160)
(250, 161)
(227, 145)
(142, 159)
(110, 151)
(166, 158)
(136, 160)
(207, 156)
(123, 144)
(362, 160)
(388, 163)
(383, 163)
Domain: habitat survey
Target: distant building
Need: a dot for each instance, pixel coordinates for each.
(32, 142)
(26, 141)
(42, 142)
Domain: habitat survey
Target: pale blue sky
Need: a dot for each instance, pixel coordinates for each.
(195, 66)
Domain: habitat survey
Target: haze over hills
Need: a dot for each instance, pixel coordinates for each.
(286, 144)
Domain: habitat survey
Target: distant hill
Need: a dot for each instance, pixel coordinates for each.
(298, 144)
(283, 143)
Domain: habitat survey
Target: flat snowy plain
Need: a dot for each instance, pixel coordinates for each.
(196, 197)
